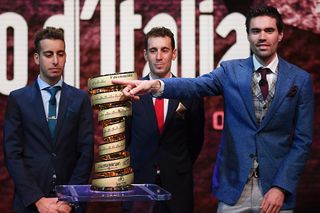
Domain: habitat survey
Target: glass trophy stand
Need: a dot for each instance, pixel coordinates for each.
(74, 194)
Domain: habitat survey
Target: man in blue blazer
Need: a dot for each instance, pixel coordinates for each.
(37, 158)
(268, 120)
(164, 152)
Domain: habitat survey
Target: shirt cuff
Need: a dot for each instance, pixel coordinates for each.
(159, 93)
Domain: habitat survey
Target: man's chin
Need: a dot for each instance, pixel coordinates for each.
(264, 54)
(55, 76)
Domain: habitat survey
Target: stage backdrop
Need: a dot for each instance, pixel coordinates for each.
(106, 36)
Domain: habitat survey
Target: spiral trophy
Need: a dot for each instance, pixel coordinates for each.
(112, 169)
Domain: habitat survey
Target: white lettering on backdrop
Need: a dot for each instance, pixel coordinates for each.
(129, 21)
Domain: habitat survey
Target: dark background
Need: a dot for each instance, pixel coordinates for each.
(301, 46)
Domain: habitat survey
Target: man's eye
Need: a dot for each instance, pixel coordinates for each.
(269, 30)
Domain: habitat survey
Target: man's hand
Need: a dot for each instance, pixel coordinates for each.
(47, 205)
(136, 88)
(272, 201)
(63, 207)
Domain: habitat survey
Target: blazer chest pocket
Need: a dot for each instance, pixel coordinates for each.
(71, 114)
(181, 111)
(286, 111)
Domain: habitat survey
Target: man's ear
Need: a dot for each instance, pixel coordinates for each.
(36, 58)
(174, 54)
(280, 37)
(145, 55)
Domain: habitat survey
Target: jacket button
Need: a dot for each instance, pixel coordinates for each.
(251, 155)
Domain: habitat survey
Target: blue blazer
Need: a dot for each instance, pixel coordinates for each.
(282, 141)
(31, 155)
(173, 152)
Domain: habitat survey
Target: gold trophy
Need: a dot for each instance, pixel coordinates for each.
(112, 170)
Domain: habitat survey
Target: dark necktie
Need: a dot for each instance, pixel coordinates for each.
(52, 117)
(263, 83)
(159, 109)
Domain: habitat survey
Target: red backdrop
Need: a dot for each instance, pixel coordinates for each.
(300, 46)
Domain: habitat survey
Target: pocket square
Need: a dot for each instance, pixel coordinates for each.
(293, 90)
(181, 109)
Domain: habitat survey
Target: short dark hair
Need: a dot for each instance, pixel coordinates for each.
(159, 32)
(48, 33)
(264, 11)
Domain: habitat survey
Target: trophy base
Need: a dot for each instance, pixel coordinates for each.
(117, 188)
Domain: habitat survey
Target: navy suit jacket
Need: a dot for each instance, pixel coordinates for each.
(174, 152)
(30, 153)
(282, 141)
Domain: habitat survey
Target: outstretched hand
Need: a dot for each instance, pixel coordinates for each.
(136, 88)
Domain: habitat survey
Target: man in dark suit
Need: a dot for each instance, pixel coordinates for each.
(268, 120)
(166, 141)
(48, 138)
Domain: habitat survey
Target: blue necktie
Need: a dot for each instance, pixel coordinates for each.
(52, 117)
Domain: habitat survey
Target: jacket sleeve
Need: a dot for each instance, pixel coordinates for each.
(25, 185)
(288, 175)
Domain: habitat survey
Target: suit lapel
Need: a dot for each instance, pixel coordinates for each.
(284, 82)
(172, 106)
(39, 113)
(147, 103)
(171, 109)
(63, 105)
(244, 78)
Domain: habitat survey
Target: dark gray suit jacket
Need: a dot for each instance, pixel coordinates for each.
(174, 152)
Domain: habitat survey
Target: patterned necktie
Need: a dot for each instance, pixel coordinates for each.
(263, 83)
(159, 109)
(52, 117)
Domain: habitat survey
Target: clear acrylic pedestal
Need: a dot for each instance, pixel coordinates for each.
(74, 194)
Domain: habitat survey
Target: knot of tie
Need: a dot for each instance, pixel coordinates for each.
(53, 91)
(263, 72)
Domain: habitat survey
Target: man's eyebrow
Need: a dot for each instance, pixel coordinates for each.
(48, 51)
(269, 28)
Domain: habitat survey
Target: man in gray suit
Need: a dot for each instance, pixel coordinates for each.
(268, 106)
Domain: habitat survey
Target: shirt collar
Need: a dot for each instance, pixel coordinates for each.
(42, 84)
(272, 66)
(153, 76)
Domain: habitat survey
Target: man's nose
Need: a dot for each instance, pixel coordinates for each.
(159, 55)
(55, 59)
(262, 35)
